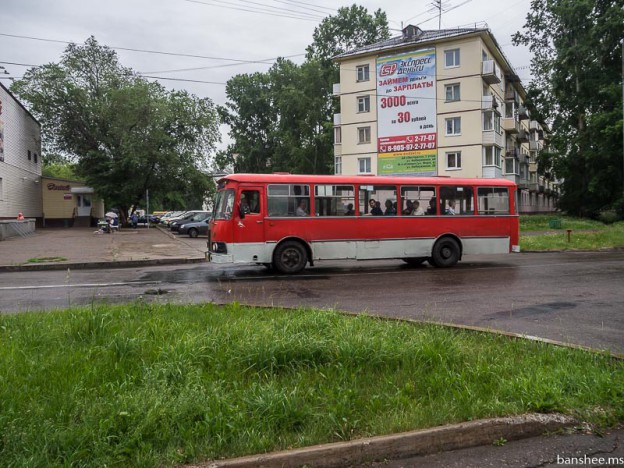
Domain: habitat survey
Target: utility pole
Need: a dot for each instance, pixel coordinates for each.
(622, 47)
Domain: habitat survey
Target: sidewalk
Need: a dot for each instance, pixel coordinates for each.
(81, 248)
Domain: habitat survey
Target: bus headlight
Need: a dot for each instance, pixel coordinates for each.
(219, 247)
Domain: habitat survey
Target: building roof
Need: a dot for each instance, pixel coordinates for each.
(413, 36)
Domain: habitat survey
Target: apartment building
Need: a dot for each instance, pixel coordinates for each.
(444, 102)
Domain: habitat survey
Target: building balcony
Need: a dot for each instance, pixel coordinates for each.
(523, 136)
(523, 113)
(510, 125)
(534, 125)
(488, 102)
(535, 145)
(336, 89)
(337, 119)
(490, 72)
(511, 94)
(511, 153)
(491, 137)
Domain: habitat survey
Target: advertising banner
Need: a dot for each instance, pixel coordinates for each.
(406, 114)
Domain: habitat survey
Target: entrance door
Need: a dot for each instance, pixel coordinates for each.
(83, 205)
(250, 229)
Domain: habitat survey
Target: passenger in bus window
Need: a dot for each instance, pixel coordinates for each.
(371, 205)
(349, 211)
(409, 208)
(377, 211)
(390, 210)
(432, 207)
(302, 209)
(417, 211)
(451, 208)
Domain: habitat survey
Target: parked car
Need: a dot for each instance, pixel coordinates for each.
(190, 216)
(164, 219)
(195, 228)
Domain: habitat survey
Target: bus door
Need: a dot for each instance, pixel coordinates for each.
(250, 227)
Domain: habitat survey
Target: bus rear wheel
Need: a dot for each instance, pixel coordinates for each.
(290, 257)
(445, 253)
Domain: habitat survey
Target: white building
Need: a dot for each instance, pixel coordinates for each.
(20, 160)
(443, 102)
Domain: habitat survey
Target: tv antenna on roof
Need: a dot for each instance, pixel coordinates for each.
(442, 6)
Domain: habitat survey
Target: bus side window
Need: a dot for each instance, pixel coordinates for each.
(284, 199)
(493, 200)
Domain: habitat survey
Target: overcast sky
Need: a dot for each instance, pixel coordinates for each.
(231, 36)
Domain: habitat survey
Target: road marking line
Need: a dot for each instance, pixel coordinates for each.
(83, 285)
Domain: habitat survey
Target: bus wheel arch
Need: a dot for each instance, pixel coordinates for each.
(446, 252)
(291, 256)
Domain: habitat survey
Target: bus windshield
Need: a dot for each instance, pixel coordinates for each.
(224, 204)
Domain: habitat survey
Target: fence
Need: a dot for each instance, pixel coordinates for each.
(13, 228)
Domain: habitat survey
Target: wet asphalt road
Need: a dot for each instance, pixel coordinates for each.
(570, 297)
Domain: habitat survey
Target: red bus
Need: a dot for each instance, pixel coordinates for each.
(287, 221)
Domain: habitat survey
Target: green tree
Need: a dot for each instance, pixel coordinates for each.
(127, 135)
(57, 165)
(350, 28)
(282, 120)
(576, 61)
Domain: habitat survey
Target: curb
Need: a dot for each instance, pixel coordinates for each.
(96, 265)
(404, 445)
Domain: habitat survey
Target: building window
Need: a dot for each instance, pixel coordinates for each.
(337, 135)
(451, 58)
(491, 121)
(363, 103)
(451, 92)
(491, 156)
(35, 158)
(453, 126)
(511, 166)
(364, 165)
(363, 72)
(1, 190)
(453, 160)
(364, 135)
(29, 155)
(338, 165)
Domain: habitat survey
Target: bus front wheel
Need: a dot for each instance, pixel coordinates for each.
(290, 257)
(445, 253)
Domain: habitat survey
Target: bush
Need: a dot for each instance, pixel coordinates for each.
(608, 216)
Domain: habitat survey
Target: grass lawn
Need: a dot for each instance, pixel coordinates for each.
(145, 384)
(585, 234)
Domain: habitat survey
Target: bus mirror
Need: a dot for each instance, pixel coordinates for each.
(241, 211)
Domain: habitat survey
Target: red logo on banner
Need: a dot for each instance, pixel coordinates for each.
(387, 69)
